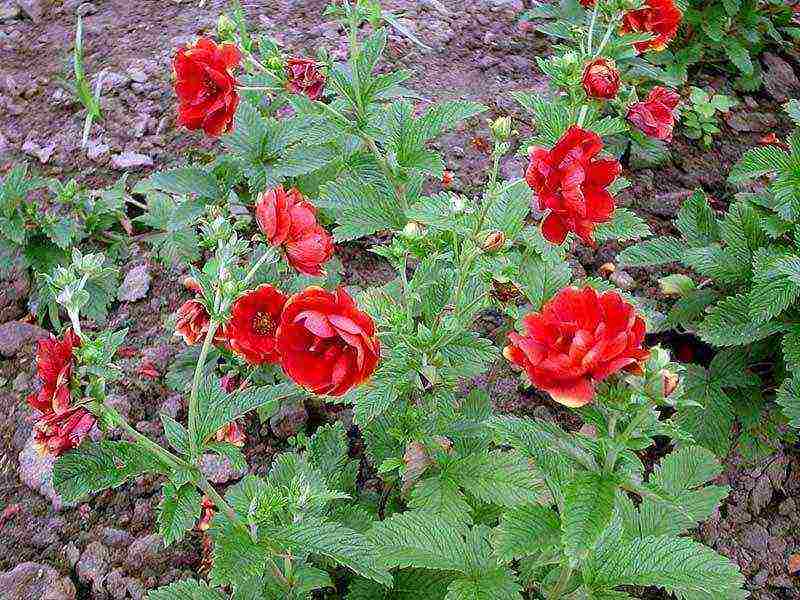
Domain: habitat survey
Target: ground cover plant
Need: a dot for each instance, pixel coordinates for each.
(466, 503)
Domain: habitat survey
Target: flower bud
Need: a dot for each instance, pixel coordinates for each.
(669, 382)
(412, 230)
(190, 283)
(226, 28)
(501, 128)
(494, 241)
(601, 79)
(676, 284)
(607, 269)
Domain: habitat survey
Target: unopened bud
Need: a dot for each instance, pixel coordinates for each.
(412, 230)
(501, 128)
(190, 283)
(607, 269)
(494, 241)
(669, 382)
(676, 285)
(226, 28)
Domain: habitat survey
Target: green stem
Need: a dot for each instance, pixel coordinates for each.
(606, 38)
(635, 422)
(249, 56)
(561, 584)
(590, 38)
(492, 195)
(198, 374)
(254, 88)
(582, 114)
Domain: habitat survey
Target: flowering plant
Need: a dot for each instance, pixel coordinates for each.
(470, 504)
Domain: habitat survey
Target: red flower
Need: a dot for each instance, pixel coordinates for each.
(601, 79)
(656, 115)
(205, 86)
(577, 339)
(254, 319)
(148, 370)
(288, 219)
(658, 17)
(231, 433)
(447, 179)
(192, 321)
(56, 433)
(572, 183)
(587, 3)
(206, 513)
(54, 360)
(772, 140)
(304, 77)
(326, 344)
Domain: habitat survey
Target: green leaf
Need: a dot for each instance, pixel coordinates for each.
(509, 209)
(441, 498)
(625, 225)
(178, 512)
(218, 408)
(492, 584)
(176, 434)
(686, 468)
(652, 252)
(93, 467)
(729, 323)
(336, 543)
(792, 108)
(188, 589)
(697, 222)
(502, 478)
(710, 423)
(526, 531)
(187, 180)
(758, 162)
(788, 398)
(588, 508)
(540, 278)
(679, 565)
(776, 284)
(738, 55)
(445, 115)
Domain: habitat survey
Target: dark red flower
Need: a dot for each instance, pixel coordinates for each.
(254, 319)
(576, 340)
(148, 370)
(571, 183)
(587, 3)
(231, 433)
(192, 321)
(447, 179)
(601, 79)
(659, 18)
(772, 140)
(326, 344)
(656, 115)
(206, 513)
(56, 433)
(205, 86)
(289, 220)
(304, 77)
(54, 360)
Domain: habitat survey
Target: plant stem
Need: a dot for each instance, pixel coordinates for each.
(582, 114)
(254, 88)
(563, 580)
(492, 195)
(606, 37)
(636, 421)
(198, 374)
(249, 56)
(590, 38)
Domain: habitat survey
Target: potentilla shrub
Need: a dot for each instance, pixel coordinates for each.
(471, 505)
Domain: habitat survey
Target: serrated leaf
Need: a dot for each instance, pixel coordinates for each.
(696, 221)
(758, 162)
(788, 398)
(491, 584)
(178, 512)
(187, 180)
(710, 423)
(502, 478)
(728, 323)
(188, 589)
(588, 508)
(625, 225)
(441, 498)
(445, 115)
(526, 531)
(652, 252)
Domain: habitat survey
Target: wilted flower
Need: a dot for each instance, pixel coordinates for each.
(206, 87)
(192, 321)
(576, 340)
(326, 344)
(601, 79)
(658, 17)
(231, 433)
(571, 182)
(656, 115)
(494, 241)
(304, 77)
(250, 333)
(669, 382)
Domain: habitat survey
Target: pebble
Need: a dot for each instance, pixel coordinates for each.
(16, 335)
(9, 10)
(146, 549)
(93, 564)
(622, 280)
(31, 580)
(43, 153)
(36, 472)
(86, 9)
(218, 469)
(290, 419)
(135, 285)
(131, 160)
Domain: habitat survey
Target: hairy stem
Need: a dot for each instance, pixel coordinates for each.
(590, 37)
(198, 375)
(561, 584)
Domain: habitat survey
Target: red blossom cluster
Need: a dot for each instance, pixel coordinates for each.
(601, 79)
(304, 77)
(655, 116)
(61, 425)
(657, 17)
(576, 340)
(571, 182)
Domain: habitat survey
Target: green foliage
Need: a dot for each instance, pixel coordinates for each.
(700, 118)
(178, 511)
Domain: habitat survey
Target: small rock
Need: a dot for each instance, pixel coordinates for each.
(43, 153)
(755, 539)
(93, 564)
(780, 82)
(30, 580)
(290, 418)
(33, 8)
(15, 334)
(95, 150)
(218, 469)
(144, 550)
(72, 555)
(115, 538)
(36, 472)
(136, 284)
(622, 280)
(9, 10)
(130, 160)
(111, 80)
(137, 75)
(116, 584)
(794, 564)
(750, 121)
(87, 8)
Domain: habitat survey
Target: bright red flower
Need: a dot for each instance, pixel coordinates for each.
(576, 340)
(54, 359)
(288, 219)
(304, 77)
(326, 344)
(192, 321)
(601, 79)
(572, 183)
(447, 179)
(656, 115)
(587, 3)
(56, 433)
(254, 320)
(658, 17)
(206, 87)
(206, 513)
